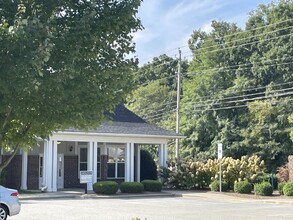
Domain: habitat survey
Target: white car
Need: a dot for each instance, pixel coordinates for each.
(9, 202)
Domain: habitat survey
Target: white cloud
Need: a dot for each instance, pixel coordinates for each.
(169, 23)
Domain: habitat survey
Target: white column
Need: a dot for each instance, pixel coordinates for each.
(131, 162)
(45, 165)
(24, 171)
(90, 154)
(95, 162)
(163, 155)
(138, 163)
(54, 167)
(166, 154)
(127, 163)
(49, 164)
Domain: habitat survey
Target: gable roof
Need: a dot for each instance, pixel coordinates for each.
(124, 122)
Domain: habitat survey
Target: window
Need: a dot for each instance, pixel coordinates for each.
(83, 159)
(41, 166)
(116, 162)
(99, 163)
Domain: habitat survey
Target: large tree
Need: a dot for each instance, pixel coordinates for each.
(62, 64)
(240, 91)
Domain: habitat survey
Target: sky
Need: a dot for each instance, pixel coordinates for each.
(168, 24)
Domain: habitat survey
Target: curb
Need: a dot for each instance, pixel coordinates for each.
(94, 196)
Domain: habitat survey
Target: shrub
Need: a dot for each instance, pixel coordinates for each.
(263, 189)
(280, 187)
(152, 185)
(288, 189)
(131, 187)
(242, 187)
(148, 167)
(215, 186)
(105, 187)
(283, 173)
(266, 177)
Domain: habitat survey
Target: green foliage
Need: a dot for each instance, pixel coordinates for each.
(263, 189)
(105, 187)
(243, 187)
(227, 63)
(148, 167)
(215, 186)
(62, 64)
(152, 185)
(266, 177)
(290, 118)
(288, 189)
(131, 187)
(281, 187)
(192, 174)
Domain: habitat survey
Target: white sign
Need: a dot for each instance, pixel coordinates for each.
(86, 176)
(220, 151)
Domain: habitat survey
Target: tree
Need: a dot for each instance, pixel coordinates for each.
(62, 64)
(148, 168)
(230, 71)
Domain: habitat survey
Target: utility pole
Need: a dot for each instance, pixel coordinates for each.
(178, 105)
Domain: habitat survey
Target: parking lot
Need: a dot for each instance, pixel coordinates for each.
(152, 209)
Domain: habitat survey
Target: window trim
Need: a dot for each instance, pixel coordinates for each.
(116, 161)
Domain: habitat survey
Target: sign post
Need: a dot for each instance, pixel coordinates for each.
(220, 155)
(86, 176)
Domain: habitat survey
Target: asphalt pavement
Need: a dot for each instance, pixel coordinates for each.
(227, 196)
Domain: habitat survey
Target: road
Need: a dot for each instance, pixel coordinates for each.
(152, 209)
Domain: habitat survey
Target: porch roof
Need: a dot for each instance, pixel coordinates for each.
(125, 122)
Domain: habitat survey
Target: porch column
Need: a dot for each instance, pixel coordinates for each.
(54, 167)
(48, 154)
(129, 169)
(104, 161)
(45, 165)
(137, 163)
(95, 162)
(24, 171)
(90, 162)
(162, 155)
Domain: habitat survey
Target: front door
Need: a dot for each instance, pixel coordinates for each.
(60, 171)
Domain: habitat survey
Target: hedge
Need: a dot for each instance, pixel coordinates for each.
(131, 187)
(263, 189)
(105, 187)
(281, 187)
(215, 186)
(288, 189)
(243, 187)
(152, 185)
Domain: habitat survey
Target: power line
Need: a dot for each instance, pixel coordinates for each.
(242, 39)
(246, 95)
(233, 107)
(245, 44)
(172, 104)
(247, 99)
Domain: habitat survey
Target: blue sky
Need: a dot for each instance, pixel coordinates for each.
(168, 24)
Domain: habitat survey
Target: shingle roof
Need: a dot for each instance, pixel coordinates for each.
(126, 122)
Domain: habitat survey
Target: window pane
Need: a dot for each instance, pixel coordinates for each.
(99, 154)
(98, 170)
(121, 169)
(83, 166)
(111, 154)
(111, 170)
(121, 154)
(83, 154)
